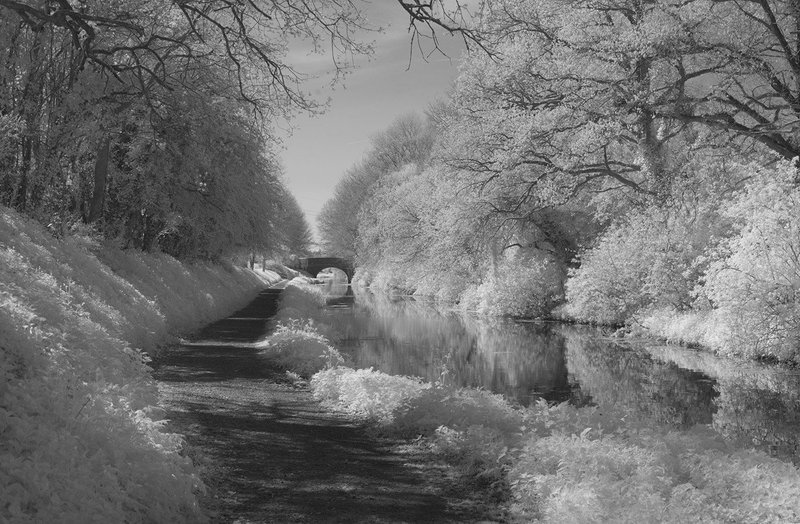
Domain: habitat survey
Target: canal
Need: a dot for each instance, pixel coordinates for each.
(755, 405)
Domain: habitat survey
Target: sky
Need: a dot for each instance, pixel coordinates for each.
(322, 147)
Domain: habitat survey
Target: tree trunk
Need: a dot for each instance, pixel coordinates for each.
(21, 196)
(100, 181)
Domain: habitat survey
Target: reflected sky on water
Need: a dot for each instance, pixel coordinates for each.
(526, 361)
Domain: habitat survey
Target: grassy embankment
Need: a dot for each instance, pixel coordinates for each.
(545, 463)
(80, 437)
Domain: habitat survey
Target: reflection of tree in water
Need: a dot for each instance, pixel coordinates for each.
(521, 361)
(757, 405)
(619, 377)
(401, 337)
(767, 419)
(525, 361)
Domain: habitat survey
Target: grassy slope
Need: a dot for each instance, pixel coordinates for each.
(80, 439)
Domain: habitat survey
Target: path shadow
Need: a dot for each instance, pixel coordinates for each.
(248, 324)
(268, 451)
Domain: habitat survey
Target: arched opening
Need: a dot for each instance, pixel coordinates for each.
(335, 281)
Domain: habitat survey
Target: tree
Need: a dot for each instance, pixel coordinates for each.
(202, 186)
(742, 77)
(297, 238)
(338, 220)
(562, 104)
(593, 93)
(145, 44)
(87, 84)
(111, 107)
(408, 140)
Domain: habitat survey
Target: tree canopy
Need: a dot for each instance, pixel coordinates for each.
(621, 162)
(151, 120)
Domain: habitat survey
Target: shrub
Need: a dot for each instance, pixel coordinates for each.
(754, 282)
(527, 287)
(650, 259)
(299, 347)
(456, 408)
(471, 429)
(705, 327)
(566, 464)
(365, 393)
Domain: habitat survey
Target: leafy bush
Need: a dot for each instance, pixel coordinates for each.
(299, 300)
(364, 392)
(471, 429)
(754, 282)
(519, 287)
(566, 464)
(456, 408)
(705, 327)
(299, 347)
(651, 259)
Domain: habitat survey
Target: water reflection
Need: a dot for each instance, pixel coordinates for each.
(756, 405)
(334, 282)
(407, 337)
(618, 375)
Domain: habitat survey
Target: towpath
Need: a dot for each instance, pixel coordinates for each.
(268, 452)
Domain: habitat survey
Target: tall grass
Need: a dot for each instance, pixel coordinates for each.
(80, 437)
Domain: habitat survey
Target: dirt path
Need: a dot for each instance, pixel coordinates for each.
(270, 453)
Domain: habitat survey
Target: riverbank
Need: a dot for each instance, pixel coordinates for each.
(82, 437)
(562, 463)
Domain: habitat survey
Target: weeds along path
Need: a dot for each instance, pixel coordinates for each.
(268, 452)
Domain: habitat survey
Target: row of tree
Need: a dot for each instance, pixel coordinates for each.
(620, 162)
(150, 120)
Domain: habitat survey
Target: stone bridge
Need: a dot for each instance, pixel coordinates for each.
(313, 265)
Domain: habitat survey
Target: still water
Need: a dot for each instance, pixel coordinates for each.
(753, 404)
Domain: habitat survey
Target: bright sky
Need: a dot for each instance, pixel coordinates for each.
(322, 147)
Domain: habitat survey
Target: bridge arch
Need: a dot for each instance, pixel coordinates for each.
(313, 265)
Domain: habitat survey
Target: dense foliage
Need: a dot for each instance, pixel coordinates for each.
(625, 163)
